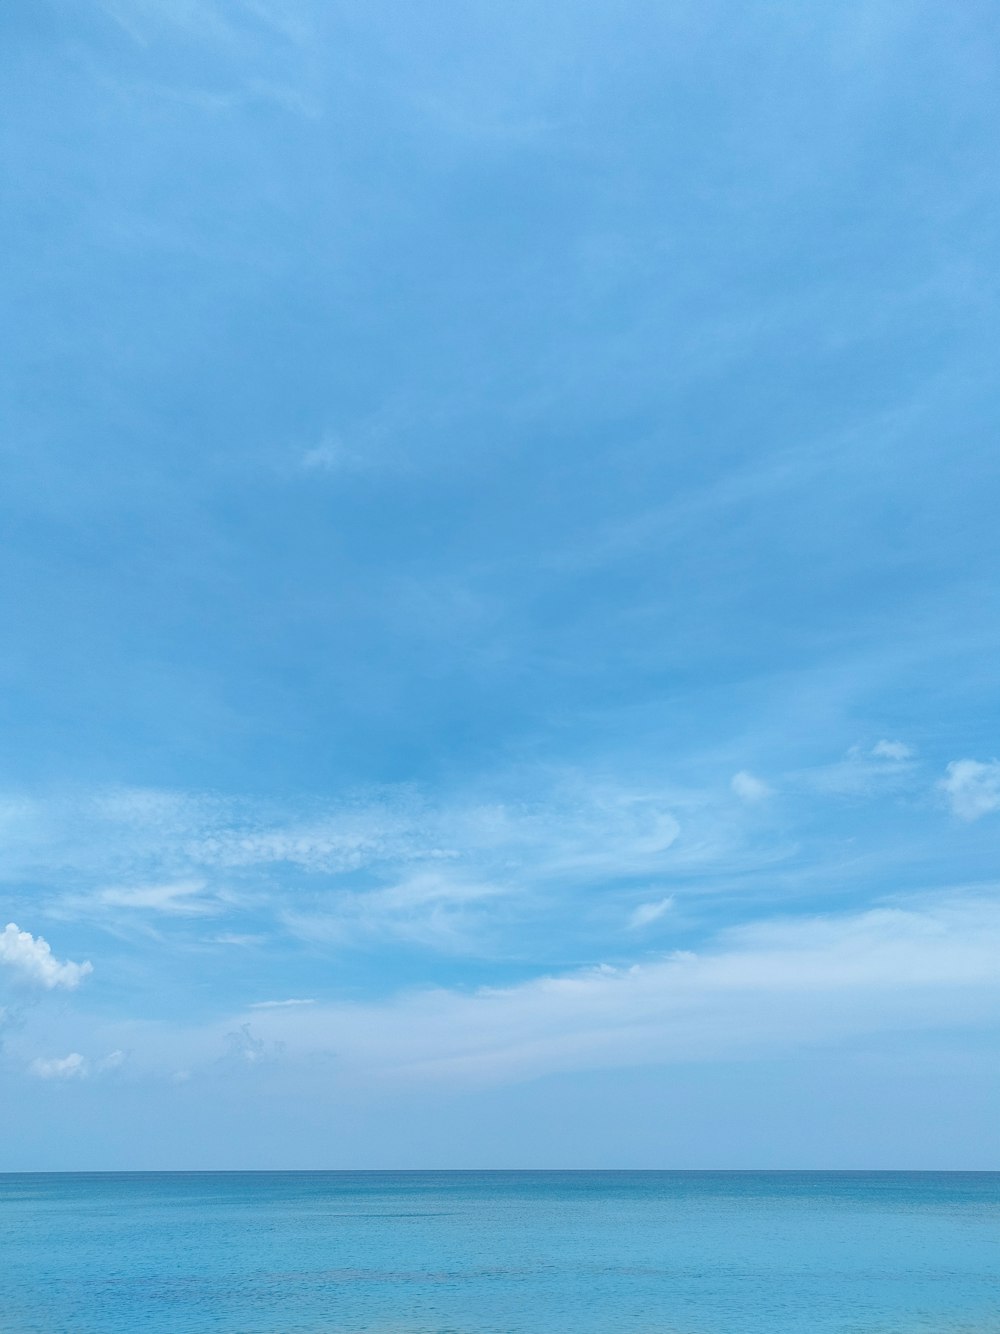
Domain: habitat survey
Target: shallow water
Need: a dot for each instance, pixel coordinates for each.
(485, 1252)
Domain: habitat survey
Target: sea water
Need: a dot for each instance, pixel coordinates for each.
(485, 1252)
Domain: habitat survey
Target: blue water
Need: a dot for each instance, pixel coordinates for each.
(478, 1252)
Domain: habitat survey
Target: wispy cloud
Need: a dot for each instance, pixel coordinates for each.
(540, 864)
(388, 864)
(647, 913)
(186, 898)
(864, 771)
(429, 908)
(778, 984)
(31, 958)
(331, 455)
(748, 787)
(972, 788)
(125, 908)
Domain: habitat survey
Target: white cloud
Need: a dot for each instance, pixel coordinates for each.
(184, 897)
(748, 787)
(647, 913)
(779, 984)
(491, 872)
(72, 1066)
(972, 788)
(476, 873)
(32, 957)
(898, 751)
(164, 853)
(432, 908)
(121, 904)
(112, 1061)
(885, 767)
(281, 1004)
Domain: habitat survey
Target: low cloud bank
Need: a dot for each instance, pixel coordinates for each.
(777, 985)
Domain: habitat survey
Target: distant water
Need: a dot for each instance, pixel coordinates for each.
(492, 1252)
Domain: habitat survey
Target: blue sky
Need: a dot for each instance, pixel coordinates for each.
(500, 589)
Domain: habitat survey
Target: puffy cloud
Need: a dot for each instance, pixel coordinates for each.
(75, 1066)
(32, 957)
(72, 1066)
(748, 787)
(972, 787)
(647, 913)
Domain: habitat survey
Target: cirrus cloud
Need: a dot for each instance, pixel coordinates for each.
(748, 787)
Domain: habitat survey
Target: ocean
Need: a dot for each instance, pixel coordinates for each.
(501, 1253)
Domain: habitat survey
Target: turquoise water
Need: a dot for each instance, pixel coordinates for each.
(478, 1252)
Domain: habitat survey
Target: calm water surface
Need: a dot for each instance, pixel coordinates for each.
(492, 1252)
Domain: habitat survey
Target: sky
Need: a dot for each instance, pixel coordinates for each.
(500, 587)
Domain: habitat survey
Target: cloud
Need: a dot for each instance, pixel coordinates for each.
(484, 872)
(185, 897)
(647, 913)
(32, 957)
(972, 788)
(783, 984)
(72, 1066)
(897, 751)
(431, 908)
(164, 853)
(749, 788)
(865, 772)
(329, 456)
(75, 1066)
(243, 1047)
(777, 984)
(121, 904)
(280, 1004)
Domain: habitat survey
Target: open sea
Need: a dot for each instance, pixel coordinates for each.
(492, 1252)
